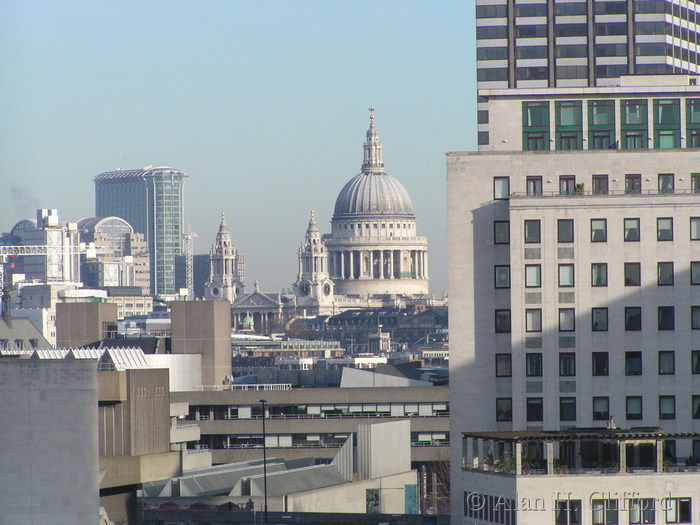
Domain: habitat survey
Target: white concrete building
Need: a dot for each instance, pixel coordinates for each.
(575, 306)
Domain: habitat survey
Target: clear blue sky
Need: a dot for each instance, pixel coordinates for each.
(263, 103)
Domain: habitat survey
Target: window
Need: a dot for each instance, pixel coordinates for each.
(666, 317)
(695, 272)
(534, 409)
(667, 362)
(695, 317)
(501, 188)
(633, 363)
(504, 409)
(599, 274)
(678, 510)
(534, 185)
(696, 407)
(631, 230)
(501, 276)
(601, 408)
(664, 229)
(664, 273)
(501, 232)
(599, 230)
(567, 185)
(666, 183)
(667, 407)
(600, 182)
(502, 321)
(533, 320)
(567, 409)
(633, 183)
(604, 511)
(567, 320)
(566, 275)
(533, 365)
(503, 365)
(633, 318)
(565, 230)
(599, 319)
(695, 182)
(533, 276)
(642, 510)
(633, 274)
(633, 407)
(532, 231)
(567, 511)
(695, 228)
(695, 362)
(567, 364)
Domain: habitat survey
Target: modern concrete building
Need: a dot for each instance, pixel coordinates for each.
(79, 324)
(151, 201)
(49, 441)
(577, 307)
(540, 44)
(204, 327)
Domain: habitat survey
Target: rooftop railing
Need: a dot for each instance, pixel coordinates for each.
(609, 193)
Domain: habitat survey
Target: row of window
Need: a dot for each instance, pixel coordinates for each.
(600, 363)
(665, 274)
(639, 510)
(666, 319)
(631, 231)
(534, 408)
(666, 184)
(580, 8)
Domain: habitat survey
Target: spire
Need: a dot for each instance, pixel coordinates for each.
(223, 227)
(312, 223)
(373, 148)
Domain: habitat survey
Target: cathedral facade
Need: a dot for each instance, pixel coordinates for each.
(373, 254)
(227, 267)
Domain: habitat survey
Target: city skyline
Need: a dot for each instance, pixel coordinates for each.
(265, 109)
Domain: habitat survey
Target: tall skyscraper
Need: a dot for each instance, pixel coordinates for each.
(151, 201)
(589, 43)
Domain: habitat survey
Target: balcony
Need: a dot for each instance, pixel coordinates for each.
(580, 192)
(184, 433)
(576, 452)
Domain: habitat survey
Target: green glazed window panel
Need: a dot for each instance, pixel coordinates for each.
(634, 139)
(667, 112)
(601, 139)
(535, 141)
(693, 112)
(569, 140)
(536, 115)
(568, 113)
(634, 112)
(601, 113)
(665, 139)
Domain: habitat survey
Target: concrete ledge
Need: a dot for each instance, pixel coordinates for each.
(111, 386)
(131, 470)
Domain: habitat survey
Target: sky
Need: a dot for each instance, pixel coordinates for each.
(263, 103)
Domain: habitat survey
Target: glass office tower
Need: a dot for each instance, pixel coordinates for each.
(151, 200)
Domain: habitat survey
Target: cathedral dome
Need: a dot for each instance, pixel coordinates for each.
(373, 193)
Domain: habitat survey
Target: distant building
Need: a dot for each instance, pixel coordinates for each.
(372, 252)
(57, 258)
(227, 268)
(151, 201)
(117, 256)
(200, 273)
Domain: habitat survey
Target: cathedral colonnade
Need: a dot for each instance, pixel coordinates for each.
(379, 264)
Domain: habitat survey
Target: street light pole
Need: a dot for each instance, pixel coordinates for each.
(263, 402)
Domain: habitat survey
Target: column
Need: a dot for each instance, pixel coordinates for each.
(425, 255)
(549, 453)
(391, 264)
(518, 458)
(622, 452)
(659, 455)
(381, 264)
(342, 264)
(352, 265)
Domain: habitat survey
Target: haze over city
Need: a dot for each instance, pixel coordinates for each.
(263, 104)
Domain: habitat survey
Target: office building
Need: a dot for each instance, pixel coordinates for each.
(151, 201)
(541, 44)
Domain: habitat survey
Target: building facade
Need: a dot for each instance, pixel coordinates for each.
(151, 201)
(541, 44)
